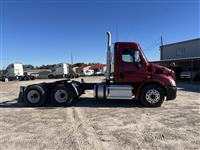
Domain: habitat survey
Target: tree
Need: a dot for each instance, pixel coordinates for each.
(91, 64)
(79, 64)
(28, 67)
(46, 66)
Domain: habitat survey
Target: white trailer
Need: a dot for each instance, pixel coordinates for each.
(59, 71)
(16, 72)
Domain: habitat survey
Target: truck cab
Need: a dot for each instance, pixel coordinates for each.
(14, 70)
(132, 68)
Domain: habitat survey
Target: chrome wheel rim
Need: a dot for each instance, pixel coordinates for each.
(61, 96)
(152, 96)
(33, 96)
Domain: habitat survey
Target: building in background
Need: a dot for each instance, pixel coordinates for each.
(186, 56)
(99, 69)
(74, 69)
(181, 50)
(82, 70)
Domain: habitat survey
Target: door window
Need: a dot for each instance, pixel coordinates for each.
(130, 55)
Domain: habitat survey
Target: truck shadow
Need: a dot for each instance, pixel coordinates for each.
(83, 102)
(91, 102)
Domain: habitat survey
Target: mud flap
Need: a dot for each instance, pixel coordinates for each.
(21, 93)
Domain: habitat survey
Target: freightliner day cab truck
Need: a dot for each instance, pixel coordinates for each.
(129, 76)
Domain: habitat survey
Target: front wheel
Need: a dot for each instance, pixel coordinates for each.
(152, 96)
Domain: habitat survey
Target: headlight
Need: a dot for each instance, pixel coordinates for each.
(173, 82)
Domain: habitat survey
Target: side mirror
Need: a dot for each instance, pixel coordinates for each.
(172, 65)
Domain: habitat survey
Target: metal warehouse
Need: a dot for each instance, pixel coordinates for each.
(185, 54)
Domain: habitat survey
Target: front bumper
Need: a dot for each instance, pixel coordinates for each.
(171, 92)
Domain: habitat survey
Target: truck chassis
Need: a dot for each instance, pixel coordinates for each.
(62, 93)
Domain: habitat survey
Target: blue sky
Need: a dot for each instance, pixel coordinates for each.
(47, 31)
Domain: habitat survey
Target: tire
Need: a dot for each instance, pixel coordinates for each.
(35, 95)
(32, 77)
(20, 78)
(50, 76)
(71, 76)
(152, 96)
(26, 78)
(61, 95)
(76, 76)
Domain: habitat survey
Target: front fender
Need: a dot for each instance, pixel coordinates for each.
(158, 79)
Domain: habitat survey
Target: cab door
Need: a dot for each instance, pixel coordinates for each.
(129, 66)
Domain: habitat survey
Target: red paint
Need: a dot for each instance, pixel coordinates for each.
(140, 72)
(98, 66)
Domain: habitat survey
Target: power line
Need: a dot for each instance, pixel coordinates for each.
(155, 43)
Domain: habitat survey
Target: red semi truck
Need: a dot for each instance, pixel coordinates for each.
(129, 76)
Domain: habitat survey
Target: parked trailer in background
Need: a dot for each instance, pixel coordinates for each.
(16, 72)
(62, 70)
(132, 77)
(59, 71)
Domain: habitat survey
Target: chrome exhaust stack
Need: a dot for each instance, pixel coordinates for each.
(108, 60)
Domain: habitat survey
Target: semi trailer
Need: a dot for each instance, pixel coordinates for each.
(16, 72)
(59, 71)
(129, 75)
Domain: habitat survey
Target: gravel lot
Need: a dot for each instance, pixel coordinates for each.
(94, 124)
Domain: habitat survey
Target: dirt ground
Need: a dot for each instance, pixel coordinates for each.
(95, 124)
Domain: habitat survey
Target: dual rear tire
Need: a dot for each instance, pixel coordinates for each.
(36, 95)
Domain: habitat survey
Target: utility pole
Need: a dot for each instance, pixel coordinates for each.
(71, 70)
(161, 44)
(71, 58)
(161, 41)
(116, 32)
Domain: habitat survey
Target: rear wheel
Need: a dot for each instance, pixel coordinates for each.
(152, 96)
(50, 76)
(32, 77)
(35, 95)
(20, 78)
(61, 96)
(26, 78)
